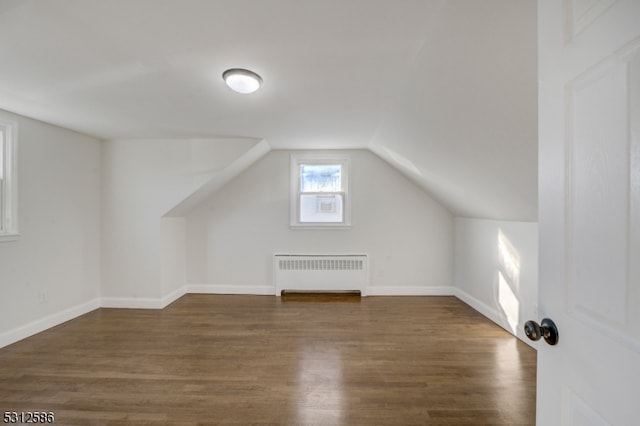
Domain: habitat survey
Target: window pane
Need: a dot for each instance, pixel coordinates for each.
(321, 208)
(320, 177)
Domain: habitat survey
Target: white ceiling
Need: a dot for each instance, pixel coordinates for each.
(445, 90)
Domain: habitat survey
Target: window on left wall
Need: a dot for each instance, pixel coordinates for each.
(8, 182)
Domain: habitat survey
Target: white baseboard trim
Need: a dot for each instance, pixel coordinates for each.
(173, 296)
(489, 312)
(38, 326)
(270, 290)
(131, 303)
(148, 303)
(143, 303)
(479, 306)
(486, 310)
(410, 291)
(231, 289)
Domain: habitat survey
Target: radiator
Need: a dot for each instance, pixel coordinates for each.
(304, 272)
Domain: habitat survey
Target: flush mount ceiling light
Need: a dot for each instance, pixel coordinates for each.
(241, 80)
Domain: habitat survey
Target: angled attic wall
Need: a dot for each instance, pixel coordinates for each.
(142, 181)
(219, 179)
(408, 235)
(465, 114)
(433, 185)
(173, 225)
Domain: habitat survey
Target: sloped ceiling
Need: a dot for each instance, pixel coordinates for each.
(464, 122)
(445, 90)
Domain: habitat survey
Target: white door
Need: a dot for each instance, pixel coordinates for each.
(589, 211)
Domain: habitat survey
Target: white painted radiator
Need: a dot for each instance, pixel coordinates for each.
(304, 272)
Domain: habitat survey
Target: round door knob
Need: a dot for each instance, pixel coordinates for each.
(546, 329)
(549, 331)
(532, 330)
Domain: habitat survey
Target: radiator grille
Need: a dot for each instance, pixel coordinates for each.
(320, 264)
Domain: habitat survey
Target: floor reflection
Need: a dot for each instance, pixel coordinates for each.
(320, 386)
(511, 390)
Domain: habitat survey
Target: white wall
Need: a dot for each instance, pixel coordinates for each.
(409, 236)
(143, 180)
(466, 122)
(52, 273)
(173, 260)
(496, 270)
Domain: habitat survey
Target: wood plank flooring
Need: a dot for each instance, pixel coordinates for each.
(214, 359)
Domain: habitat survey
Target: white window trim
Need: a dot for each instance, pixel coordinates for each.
(319, 158)
(9, 190)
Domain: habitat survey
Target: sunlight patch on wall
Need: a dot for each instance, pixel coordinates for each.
(508, 302)
(508, 280)
(509, 260)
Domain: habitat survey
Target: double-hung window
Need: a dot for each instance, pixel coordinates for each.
(8, 182)
(320, 191)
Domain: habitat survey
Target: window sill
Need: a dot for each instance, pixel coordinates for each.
(7, 238)
(320, 227)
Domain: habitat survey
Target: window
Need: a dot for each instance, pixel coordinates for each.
(320, 191)
(8, 182)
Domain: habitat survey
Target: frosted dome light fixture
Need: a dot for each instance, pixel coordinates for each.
(241, 80)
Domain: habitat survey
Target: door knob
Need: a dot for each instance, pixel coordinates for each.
(546, 329)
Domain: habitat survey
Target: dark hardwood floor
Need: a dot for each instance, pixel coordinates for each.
(213, 359)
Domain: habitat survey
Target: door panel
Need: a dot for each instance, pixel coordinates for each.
(577, 412)
(598, 169)
(589, 210)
